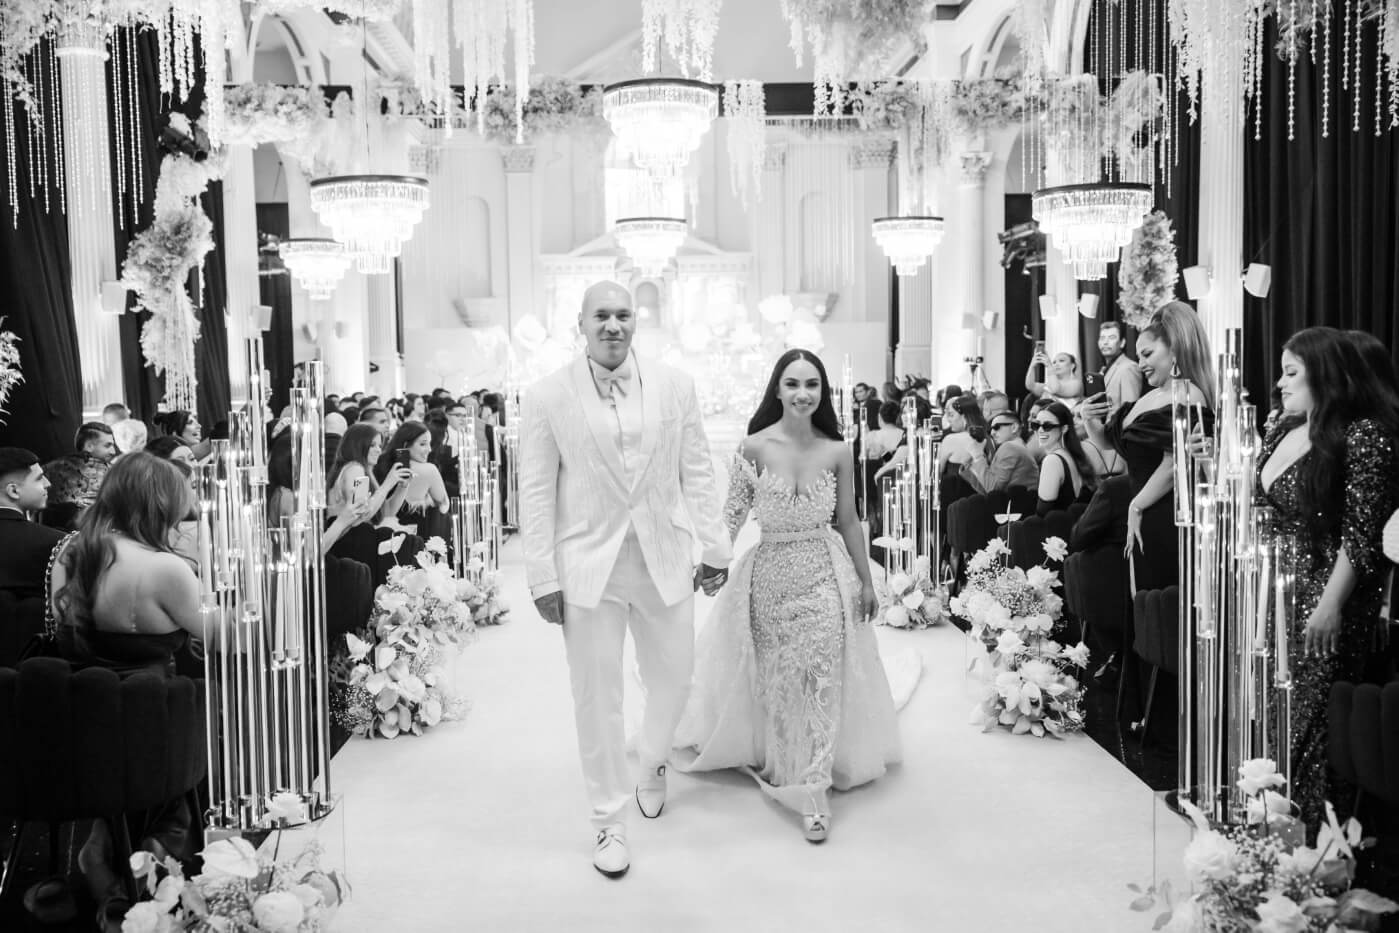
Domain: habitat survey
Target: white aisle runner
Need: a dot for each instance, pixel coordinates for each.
(481, 825)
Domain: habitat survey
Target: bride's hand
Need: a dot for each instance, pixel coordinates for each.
(869, 602)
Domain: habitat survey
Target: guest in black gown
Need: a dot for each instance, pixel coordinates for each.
(1066, 474)
(1141, 433)
(1327, 470)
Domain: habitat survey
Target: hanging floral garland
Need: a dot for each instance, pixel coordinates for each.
(553, 105)
(374, 10)
(688, 27)
(158, 265)
(745, 107)
(852, 40)
(11, 374)
(270, 113)
(1148, 272)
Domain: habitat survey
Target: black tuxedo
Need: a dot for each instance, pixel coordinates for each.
(24, 554)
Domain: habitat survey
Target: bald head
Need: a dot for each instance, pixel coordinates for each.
(608, 323)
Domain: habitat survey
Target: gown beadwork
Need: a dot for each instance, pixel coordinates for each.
(788, 683)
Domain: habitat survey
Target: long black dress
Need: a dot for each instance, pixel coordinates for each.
(1371, 496)
(1142, 444)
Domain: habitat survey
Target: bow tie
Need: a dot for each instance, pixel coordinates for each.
(613, 382)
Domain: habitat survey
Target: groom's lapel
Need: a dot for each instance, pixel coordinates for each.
(652, 381)
(601, 421)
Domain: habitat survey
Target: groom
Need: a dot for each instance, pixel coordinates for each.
(612, 458)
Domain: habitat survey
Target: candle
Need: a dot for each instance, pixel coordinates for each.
(1280, 623)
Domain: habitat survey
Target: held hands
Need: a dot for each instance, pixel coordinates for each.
(1322, 635)
(551, 608)
(712, 579)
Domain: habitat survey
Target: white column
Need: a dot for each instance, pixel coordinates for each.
(522, 246)
(769, 221)
(914, 352)
(381, 333)
(869, 286)
(91, 244)
(1222, 186)
(966, 241)
(241, 265)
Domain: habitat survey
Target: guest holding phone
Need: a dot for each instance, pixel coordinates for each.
(351, 481)
(422, 503)
(1121, 380)
(1062, 382)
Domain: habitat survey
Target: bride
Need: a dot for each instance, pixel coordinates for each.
(788, 681)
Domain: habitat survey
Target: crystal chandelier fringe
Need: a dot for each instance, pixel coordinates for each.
(659, 122)
(745, 108)
(317, 263)
(372, 215)
(650, 242)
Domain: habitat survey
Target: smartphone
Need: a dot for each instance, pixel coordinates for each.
(1092, 384)
(359, 493)
(1039, 347)
(403, 456)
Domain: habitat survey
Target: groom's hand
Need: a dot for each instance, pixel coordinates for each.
(711, 578)
(551, 608)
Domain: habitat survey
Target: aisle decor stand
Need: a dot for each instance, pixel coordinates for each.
(262, 599)
(1238, 601)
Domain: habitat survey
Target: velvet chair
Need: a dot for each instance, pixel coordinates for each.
(20, 621)
(1156, 639)
(91, 746)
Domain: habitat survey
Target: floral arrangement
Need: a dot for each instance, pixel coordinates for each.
(392, 677)
(355, 9)
(1261, 877)
(241, 889)
(745, 107)
(1148, 273)
(554, 105)
(10, 373)
(270, 113)
(850, 40)
(1013, 613)
(911, 600)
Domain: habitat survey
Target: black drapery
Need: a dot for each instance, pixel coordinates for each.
(45, 410)
(143, 387)
(1323, 212)
(275, 292)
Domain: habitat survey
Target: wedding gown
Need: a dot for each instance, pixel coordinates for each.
(789, 685)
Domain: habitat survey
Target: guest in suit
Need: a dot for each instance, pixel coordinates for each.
(25, 545)
(1012, 466)
(615, 471)
(1122, 380)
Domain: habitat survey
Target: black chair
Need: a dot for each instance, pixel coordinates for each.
(20, 621)
(88, 745)
(1156, 639)
(1363, 737)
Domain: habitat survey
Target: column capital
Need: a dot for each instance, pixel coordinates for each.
(974, 166)
(517, 158)
(872, 153)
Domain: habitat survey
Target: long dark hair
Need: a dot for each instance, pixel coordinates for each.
(1069, 437)
(1377, 378)
(769, 411)
(969, 408)
(404, 437)
(142, 497)
(354, 448)
(1333, 367)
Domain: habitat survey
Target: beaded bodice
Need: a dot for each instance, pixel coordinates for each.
(778, 507)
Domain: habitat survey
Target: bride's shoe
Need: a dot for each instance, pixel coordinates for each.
(815, 826)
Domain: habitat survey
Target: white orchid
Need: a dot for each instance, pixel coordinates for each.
(233, 857)
(1009, 644)
(359, 648)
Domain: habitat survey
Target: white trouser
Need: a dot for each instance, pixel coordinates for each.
(665, 653)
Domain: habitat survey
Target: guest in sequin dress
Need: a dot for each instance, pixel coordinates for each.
(1328, 471)
(788, 680)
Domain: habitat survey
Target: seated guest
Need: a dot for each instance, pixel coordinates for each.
(171, 448)
(966, 432)
(867, 403)
(1104, 522)
(184, 426)
(129, 435)
(76, 477)
(353, 470)
(114, 412)
(1012, 466)
(379, 418)
(1066, 475)
(993, 402)
(923, 410)
(25, 545)
(424, 503)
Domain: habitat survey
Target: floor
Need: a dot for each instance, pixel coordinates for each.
(481, 824)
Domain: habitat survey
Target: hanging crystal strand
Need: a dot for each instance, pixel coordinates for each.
(1316, 27)
(52, 167)
(524, 59)
(11, 178)
(1390, 31)
(1379, 71)
(113, 74)
(1291, 70)
(1356, 91)
(134, 96)
(1326, 76)
(1345, 49)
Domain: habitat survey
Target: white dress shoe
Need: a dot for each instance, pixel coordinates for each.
(610, 853)
(650, 793)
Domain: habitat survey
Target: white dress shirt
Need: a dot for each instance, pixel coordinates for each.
(621, 390)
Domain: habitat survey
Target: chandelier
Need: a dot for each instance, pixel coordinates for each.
(1091, 223)
(372, 215)
(317, 263)
(659, 122)
(908, 241)
(651, 242)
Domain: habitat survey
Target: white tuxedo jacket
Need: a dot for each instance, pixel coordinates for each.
(577, 502)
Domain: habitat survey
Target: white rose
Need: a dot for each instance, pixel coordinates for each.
(1271, 803)
(897, 616)
(391, 601)
(1039, 623)
(466, 589)
(1039, 578)
(1009, 644)
(1210, 856)
(1077, 655)
(146, 917)
(1040, 673)
(278, 912)
(1280, 914)
(1184, 918)
(1055, 548)
(1257, 774)
(436, 545)
(899, 582)
(286, 806)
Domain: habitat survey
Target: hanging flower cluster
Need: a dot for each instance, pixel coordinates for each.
(10, 373)
(553, 105)
(1148, 273)
(852, 40)
(688, 27)
(373, 10)
(271, 113)
(745, 107)
(158, 265)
